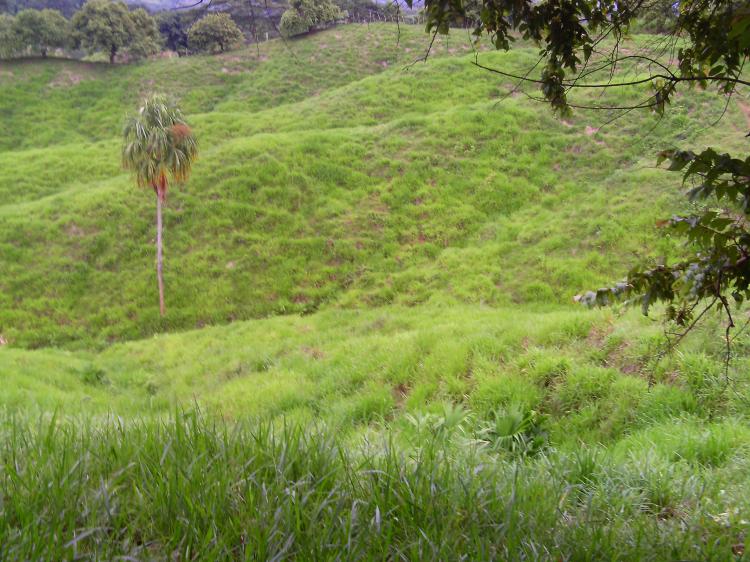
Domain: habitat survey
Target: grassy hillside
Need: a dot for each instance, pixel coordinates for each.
(371, 349)
(319, 184)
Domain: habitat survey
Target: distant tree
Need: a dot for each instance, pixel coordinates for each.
(304, 15)
(659, 16)
(146, 39)
(214, 31)
(66, 7)
(9, 43)
(102, 25)
(159, 147)
(293, 23)
(361, 9)
(41, 30)
(173, 27)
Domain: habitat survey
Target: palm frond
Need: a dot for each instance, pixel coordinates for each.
(158, 144)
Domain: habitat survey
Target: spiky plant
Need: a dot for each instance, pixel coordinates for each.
(159, 147)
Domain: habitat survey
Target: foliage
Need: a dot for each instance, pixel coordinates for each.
(413, 216)
(715, 43)
(10, 43)
(146, 39)
(158, 146)
(66, 7)
(41, 30)
(519, 432)
(173, 26)
(657, 16)
(304, 15)
(104, 25)
(363, 9)
(195, 487)
(216, 30)
(293, 23)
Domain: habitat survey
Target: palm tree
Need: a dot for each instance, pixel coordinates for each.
(159, 146)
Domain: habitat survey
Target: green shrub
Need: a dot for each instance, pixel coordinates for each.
(303, 15)
(215, 31)
(293, 23)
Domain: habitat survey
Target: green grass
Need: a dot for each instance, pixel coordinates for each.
(317, 187)
(371, 349)
(195, 489)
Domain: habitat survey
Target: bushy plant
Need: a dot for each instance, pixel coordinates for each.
(293, 23)
(304, 15)
(9, 40)
(41, 30)
(146, 38)
(212, 32)
(173, 27)
(111, 27)
(516, 431)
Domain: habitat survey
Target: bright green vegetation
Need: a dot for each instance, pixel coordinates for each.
(369, 293)
(315, 188)
(198, 490)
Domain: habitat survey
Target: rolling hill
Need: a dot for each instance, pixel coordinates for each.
(376, 182)
(369, 275)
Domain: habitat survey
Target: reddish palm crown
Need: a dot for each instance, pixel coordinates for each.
(158, 145)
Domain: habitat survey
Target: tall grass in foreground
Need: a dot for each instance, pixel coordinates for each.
(195, 488)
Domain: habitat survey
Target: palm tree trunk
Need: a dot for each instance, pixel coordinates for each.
(159, 255)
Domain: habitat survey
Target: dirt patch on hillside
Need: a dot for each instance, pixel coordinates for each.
(74, 231)
(400, 393)
(67, 78)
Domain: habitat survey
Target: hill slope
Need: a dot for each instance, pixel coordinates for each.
(396, 369)
(319, 183)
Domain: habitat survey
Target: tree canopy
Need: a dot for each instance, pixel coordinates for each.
(41, 30)
(214, 31)
(109, 26)
(304, 15)
(66, 7)
(9, 40)
(146, 39)
(173, 27)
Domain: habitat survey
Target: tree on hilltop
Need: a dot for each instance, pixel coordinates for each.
(173, 27)
(9, 41)
(214, 31)
(146, 39)
(159, 147)
(304, 15)
(41, 30)
(109, 26)
(102, 25)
